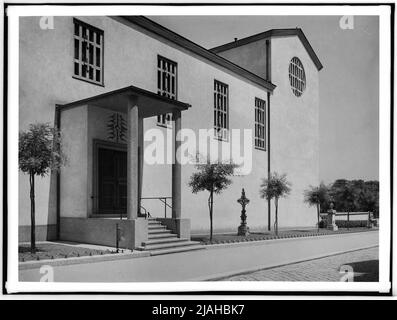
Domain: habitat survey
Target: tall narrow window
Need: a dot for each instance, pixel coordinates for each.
(260, 126)
(88, 52)
(221, 110)
(166, 86)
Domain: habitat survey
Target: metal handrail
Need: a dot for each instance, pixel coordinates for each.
(353, 213)
(369, 214)
(163, 200)
(146, 213)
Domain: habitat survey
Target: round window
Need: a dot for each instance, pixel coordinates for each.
(297, 77)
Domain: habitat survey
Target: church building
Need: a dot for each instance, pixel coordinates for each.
(111, 83)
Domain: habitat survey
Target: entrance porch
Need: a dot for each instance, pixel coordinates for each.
(103, 141)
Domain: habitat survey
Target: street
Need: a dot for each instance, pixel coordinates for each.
(211, 263)
(364, 265)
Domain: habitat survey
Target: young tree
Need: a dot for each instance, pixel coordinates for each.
(214, 178)
(39, 153)
(276, 186)
(317, 196)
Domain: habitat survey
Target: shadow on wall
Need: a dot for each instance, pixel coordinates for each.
(51, 228)
(52, 209)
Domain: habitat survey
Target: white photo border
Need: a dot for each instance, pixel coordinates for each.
(384, 13)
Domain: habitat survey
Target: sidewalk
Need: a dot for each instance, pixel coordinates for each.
(358, 266)
(214, 262)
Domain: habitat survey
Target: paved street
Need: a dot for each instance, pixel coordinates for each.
(364, 263)
(211, 263)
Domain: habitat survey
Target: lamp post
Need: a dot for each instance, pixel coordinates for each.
(243, 229)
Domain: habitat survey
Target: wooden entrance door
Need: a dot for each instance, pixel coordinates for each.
(112, 181)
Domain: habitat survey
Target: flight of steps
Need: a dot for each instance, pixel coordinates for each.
(162, 241)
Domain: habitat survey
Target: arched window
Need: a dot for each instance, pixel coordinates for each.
(297, 77)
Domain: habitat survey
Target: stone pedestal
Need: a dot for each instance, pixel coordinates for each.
(331, 225)
(243, 230)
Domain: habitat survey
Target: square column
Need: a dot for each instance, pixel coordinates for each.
(140, 159)
(132, 159)
(176, 167)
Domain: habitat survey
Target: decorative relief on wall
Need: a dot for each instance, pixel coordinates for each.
(117, 128)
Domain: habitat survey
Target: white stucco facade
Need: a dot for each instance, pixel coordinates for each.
(130, 58)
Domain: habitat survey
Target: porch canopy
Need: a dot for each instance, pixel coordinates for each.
(138, 104)
(151, 103)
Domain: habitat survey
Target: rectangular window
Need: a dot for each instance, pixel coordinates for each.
(221, 110)
(88, 52)
(166, 86)
(260, 124)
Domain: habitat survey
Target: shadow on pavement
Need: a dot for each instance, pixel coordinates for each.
(365, 271)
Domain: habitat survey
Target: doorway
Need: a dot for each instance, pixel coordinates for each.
(112, 181)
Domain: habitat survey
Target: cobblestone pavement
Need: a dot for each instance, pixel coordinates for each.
(364, 263)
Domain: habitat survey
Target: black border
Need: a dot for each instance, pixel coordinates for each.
(5, 154)
(229, 293)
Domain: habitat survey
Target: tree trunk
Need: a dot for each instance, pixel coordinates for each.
(211, 213)
(276, 216)
(318, 217)
(210, 209)
(32, 215)
(269, 218)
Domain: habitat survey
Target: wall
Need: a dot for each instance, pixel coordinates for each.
(251, 56)
(74, 176)
(46, 71)
(294, 130)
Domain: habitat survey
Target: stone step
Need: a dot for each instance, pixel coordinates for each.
(163, 240)
(176, 249)
(178, 244)
(156, 231)
(151, 221)
(161, 235)
(156, 227)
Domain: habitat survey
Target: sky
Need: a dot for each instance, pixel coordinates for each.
(349, 81)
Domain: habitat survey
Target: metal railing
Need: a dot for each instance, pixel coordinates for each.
(163, 200)
(145, 212)
(369, 216)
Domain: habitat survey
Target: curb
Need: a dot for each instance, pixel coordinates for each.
(221, 276)
(272, 239)
(79, 260)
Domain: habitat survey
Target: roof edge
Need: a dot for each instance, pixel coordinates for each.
(185, 43)
(269, 34)
(129, 89)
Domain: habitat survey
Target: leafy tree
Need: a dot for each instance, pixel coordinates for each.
(39, 153)
(317, 196)
(355, 195)
(339, 193)
(370, 197)
(275, 187)
(214, 178)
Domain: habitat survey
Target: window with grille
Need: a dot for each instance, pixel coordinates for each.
(297, 77)
(221, 110)
(88, 52)
(166, 86)
(260, 126)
